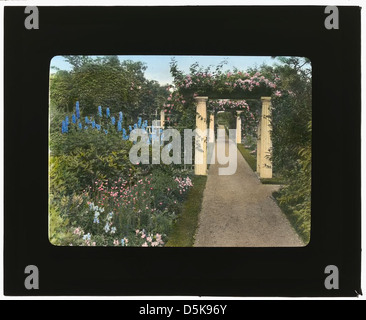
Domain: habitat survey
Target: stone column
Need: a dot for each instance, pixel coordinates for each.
(265, 141)
(200, 166)
(238, 127)
(162, 118)
(212, 128)
(259, 148)
(211, 140)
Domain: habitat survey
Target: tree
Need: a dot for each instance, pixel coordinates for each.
(107, 82)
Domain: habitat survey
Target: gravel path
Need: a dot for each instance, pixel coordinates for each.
(239, 211)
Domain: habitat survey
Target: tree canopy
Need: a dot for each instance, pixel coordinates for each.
(108, 82)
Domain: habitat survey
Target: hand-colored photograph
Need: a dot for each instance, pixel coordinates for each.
(180, 151)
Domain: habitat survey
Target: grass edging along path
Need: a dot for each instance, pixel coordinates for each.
(248, 157)
(185, 227)
(274, 180)
(252, 161)
(294, 218)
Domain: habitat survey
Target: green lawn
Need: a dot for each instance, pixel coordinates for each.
(185, 227)
(252, 161)
(274, 180)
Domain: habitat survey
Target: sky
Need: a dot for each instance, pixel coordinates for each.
(158, 66)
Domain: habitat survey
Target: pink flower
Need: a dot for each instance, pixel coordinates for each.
(145, 244)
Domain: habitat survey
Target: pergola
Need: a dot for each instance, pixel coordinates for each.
(264, 143)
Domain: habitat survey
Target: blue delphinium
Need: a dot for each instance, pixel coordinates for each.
(80, 126)
(77, 110)
(139, 122)
(119, 126)
(100, 111)
(87, 121)
(135, 126)
(93, 124)
(73, 118)
(98, 126)
(124, 135)
(64, 128)
(108, 113)
(120, 116)
(67, 120)
(130, 128)
(113, 120)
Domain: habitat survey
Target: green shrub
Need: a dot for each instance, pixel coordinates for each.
(295, 197)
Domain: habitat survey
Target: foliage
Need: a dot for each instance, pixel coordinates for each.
(295, 198)
(222, 84)
(292, 112)
(108, 82)
(184, 228)
(136, 211)
(83, 154)
(97, 197)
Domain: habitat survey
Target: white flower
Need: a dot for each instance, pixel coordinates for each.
(106, 227)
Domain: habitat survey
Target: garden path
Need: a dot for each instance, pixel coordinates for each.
(239, 211)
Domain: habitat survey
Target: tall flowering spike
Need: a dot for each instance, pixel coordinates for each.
(67, 120)
(130, 128)
(139, 122)
(113, 120)
(124, 135)
(80, 126)
(73, 118)
(63, 126)
(93, 124)
(119, 126)
(108, 113)
(120, 116)
(135, 126)
(77, 110)
(87, 120)
(100, 111)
